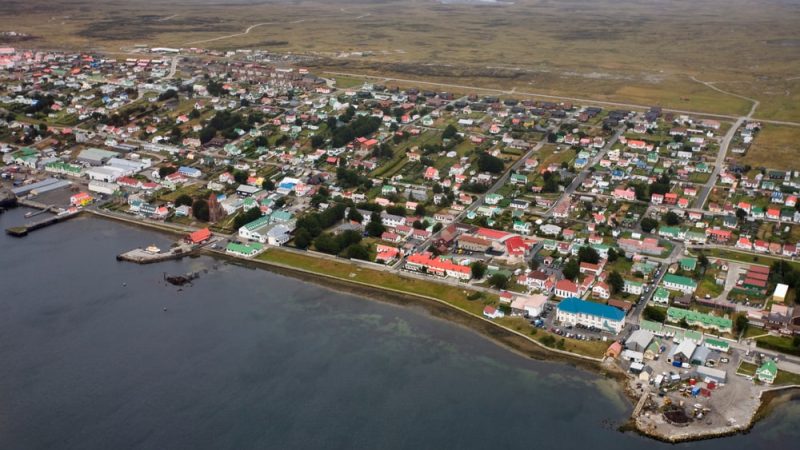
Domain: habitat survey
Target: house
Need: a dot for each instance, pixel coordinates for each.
(767, 372)
(661, 296)
(633, 287)
(679, 283)
(573, 311)
(199, 236)
(601, 290)
(80, 199)
(699, 319)
(614, 350)
(492, 313)
(247, 250)
(566, 289)
(528, 306)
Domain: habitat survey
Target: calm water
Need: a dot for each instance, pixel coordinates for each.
(248, 359)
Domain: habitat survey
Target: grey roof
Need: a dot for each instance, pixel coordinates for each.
(639, 340)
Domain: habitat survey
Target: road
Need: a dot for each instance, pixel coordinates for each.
(501, 181)
(557, 97)
(581, 176)
(246, 31)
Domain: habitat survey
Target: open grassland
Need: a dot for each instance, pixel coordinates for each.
(640, 51)
(775, 146)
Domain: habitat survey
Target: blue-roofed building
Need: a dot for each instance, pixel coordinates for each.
(573, 311)
(190, 171)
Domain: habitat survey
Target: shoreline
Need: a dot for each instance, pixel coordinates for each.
(514, 341)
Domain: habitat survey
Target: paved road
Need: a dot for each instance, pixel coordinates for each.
(581, 176)
(705, 191)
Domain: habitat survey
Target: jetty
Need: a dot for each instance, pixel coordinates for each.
(23, 230)
(153, 254)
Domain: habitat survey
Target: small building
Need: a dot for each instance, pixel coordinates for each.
(767, 372)
(247, 250)
(780, 292)
(199, 236)
(639, 340)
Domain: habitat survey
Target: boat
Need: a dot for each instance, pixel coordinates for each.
(152, 249)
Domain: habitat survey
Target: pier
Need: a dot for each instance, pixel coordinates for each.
(149, 255)
(23, 230)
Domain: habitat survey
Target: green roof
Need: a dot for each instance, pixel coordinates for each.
(245, 249)
(672, 231)
(651, 326)
(258, 223)
(661, 293)
(717, 343)
(688, 263)
(677, 279)
(698, 318)
(768, 370)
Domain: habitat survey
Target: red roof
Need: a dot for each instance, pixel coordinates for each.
(491, 234)
(200, 236)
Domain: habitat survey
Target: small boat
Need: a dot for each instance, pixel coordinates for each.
(152, 249)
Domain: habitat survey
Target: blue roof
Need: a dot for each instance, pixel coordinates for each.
(578, 306)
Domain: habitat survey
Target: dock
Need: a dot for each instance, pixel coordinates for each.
(23, 230)
(145, 256)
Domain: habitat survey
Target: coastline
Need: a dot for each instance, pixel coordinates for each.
(512, 340)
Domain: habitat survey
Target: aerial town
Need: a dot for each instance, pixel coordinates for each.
(634, 237)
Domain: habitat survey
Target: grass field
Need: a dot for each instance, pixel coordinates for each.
(746, 257)
(775, 146)
(783, 377)
(623, 50)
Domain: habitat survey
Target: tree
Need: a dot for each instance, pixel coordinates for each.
(200, 209)
(166, 170)
(354, 215)
(478, 270)
(449, 132)
(741, 214)
(616, 282)
(240, 176)
(489, 163)
(268, 185)
(588, 254)
(418, 225)
(357, 251)
(437, 227)
(742, 323)
(702, 260)
(571, 269)
(649, 224)
(654, 314)
(182, 200)
(612, 255)
(375, 228)
(327, 243)
(246, 217)
(317, 140)
(672, 219)
(302, 239)
(420, 210)
(498, 281)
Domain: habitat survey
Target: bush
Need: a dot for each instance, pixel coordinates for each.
(654, 314)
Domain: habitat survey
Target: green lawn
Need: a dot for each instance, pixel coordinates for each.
(747, 257)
